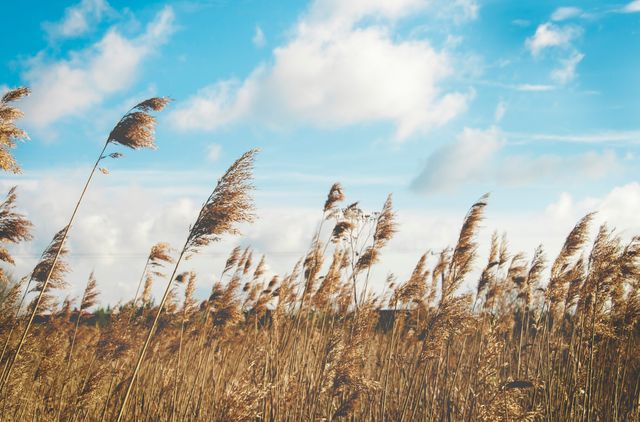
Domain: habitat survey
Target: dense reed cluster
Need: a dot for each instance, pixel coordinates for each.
(539, 338)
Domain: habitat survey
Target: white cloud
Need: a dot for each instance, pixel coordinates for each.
(621, 206)
(338, 14)
(630, 136)
(618, 208)
(213, 152)
(335, 73)
(548, 35)
(459, 162)
(564, 13)
(78, 19)
(214, 106)
(632, 7)
(523, 23)
(477, 157)
(70, 86)
(468, 8)
(125, 213)
(259, 39)
(115, 243)
(567, 71)
(534, 87)
(517, 170)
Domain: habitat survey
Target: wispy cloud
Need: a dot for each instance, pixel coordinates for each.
(213, 152)
(78, 19)
(533, 87)
(630, 137)
(501, 110)
(479, 156)
(564, 13)
(633, 7)
(548, 35)
(459, 162)
(259, 39)
(551, 36)
(567, 70)
(70, 86)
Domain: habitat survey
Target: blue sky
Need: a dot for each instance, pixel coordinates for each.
(436, 101)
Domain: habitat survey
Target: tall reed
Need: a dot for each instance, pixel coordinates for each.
(135, 130)
(228, 205)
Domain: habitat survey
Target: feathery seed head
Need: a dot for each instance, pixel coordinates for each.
(9, 132)
(335, 195)
(14, 227)
(91, 293)
(136, 128)
(229, 204)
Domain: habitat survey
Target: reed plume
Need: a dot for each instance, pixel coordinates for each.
(48, 274)
(465, 250)
(9, 132)
(228, 205)
(384, 230)
(575, 241)
(89, 299)
(14, 227)
(134, 130)
(335, 195)
(330, 282)
(159, 254)
(414, 290)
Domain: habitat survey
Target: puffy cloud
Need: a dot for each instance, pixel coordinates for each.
(214, 106)
(618, 208)
(335, 72)
(548, 35)
(71, 86)
(78, 19)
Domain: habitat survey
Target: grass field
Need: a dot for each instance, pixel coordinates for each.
(541, 338)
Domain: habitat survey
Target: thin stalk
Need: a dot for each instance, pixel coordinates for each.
(135, 297)
(143, 351)
(175, 386)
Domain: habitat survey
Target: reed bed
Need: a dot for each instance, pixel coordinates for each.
(540, 338)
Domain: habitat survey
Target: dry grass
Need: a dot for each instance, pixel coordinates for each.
(318, 343)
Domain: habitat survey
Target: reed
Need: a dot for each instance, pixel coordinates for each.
(533, 341)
